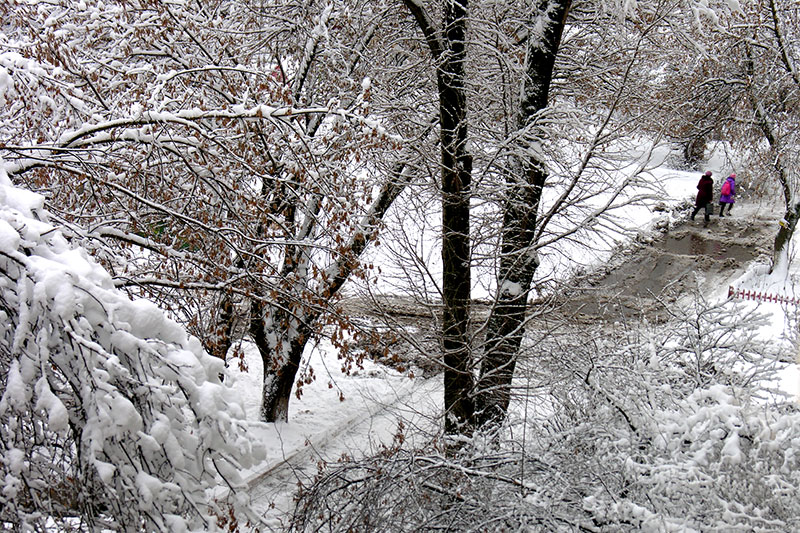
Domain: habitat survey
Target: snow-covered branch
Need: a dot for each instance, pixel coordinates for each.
(134, 423)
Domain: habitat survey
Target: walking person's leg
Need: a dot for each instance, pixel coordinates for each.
(708, 211)
(721, 209)
(696, 209)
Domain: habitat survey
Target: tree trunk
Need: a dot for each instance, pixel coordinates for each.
(784, 236)
(518, 261)
(279, 380)
(506, 326)
(767, 127)
(456, 177)
(281, 339)
(219, 342)
(282, 329)
(694, 152)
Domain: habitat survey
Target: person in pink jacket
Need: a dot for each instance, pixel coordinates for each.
(727, 194)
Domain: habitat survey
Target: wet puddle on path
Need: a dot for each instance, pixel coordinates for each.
(669, 263)
(693, 244)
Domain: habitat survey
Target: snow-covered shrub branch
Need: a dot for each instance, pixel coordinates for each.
(221, 172)
(668, 426)
(111, 416)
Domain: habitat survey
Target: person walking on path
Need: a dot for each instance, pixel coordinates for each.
(727, 194)
(705, 192)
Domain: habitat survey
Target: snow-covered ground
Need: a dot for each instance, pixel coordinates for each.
(356, 414)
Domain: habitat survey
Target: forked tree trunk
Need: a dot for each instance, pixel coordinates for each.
(280, 339)
(281, 329)
(518, 260)
(518, 264)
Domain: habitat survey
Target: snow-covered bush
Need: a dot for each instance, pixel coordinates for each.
(110, 415)
(669, 426)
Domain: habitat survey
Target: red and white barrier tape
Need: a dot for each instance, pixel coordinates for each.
(747, 294)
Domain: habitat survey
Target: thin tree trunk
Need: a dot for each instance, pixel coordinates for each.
(784, 236)
(518, 261)
(786, 231)
(792, 213)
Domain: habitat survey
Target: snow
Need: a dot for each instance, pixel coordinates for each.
(9, 238)
(16, 392)
(85, 360)
(337, 414)
(57, 417)
(511, 288)
(146, 320)
(731, 452)
(18, 199)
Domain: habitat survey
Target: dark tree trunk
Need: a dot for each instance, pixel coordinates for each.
(278, 383)
(790, 219)
(280, 339)
(280, 356)
(507, 321)
(694, 152)
(456, 177)
(518, 261)
(448, 49)
(221, 339)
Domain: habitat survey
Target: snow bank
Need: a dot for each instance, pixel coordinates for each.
(108, 409)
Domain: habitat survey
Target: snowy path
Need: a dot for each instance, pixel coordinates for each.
(690, 255)
(295, 461)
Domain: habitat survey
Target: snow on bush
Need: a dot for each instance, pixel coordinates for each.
(110, 415)
(668, 426)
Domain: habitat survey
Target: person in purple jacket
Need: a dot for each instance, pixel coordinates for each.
(727, 194)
